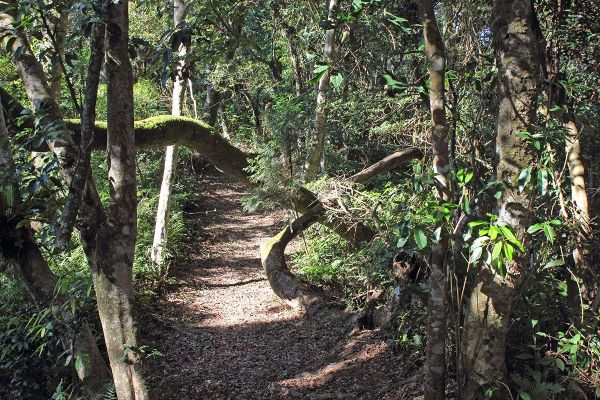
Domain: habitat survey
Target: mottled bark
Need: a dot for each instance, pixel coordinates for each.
(435, 366)
(316, 154)
(59, 32)
(114, 249)
(488, 318)
(161, 227)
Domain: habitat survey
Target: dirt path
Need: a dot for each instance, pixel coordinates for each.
(225, 335)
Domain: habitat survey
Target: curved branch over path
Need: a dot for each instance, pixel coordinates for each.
(162, 131)
(283, 282)
(272, 253)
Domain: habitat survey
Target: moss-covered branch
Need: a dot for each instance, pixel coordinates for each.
(161, 131)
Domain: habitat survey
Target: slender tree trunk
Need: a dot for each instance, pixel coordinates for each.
(112, 254)
(161, 229)
(435, 378)
(295, 59)
(59, 28)
(490, 307)
(212, 104)
(316, 156)
(559, 106)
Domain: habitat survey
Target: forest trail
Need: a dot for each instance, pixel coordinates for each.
(225, 335)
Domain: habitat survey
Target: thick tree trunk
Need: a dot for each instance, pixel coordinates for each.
(488, 318)
(161, 228)
(112, 255)
(316, 155)
(283, 282)
(435, 378)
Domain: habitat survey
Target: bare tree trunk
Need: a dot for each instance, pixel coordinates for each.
(161, 229)
(212, 104)
(435, 378)
(490, 308)
(316, 154)
(114, 250)
(59, 27)
(559, 105)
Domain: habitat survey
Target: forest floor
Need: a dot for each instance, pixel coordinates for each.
(225, 335)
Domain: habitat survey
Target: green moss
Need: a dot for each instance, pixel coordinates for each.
(272, 242)
(152, 123)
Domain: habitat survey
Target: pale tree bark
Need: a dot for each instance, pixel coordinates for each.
(59, 32)
(316, 154)
(161, 228)
(435, 366)
(113, 251)
(493, 296)
(559, 106)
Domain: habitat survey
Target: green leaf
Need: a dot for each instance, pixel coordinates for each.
(524, 179)
(549, 232)
(319, 71)
(473, 224)
(337, 80)
(510, 236)
(479, 242)
(535, 228)
(401, 242)
(560, 364)
(357, 6)
(475, 254)
(497, 250)
(524, 396)
(493, 232)
(420, 238)
(554, 263)
(509, 251)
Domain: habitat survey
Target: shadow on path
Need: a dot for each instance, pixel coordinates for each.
(225, 335)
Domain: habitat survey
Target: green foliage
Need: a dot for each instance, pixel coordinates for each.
(496, 244)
